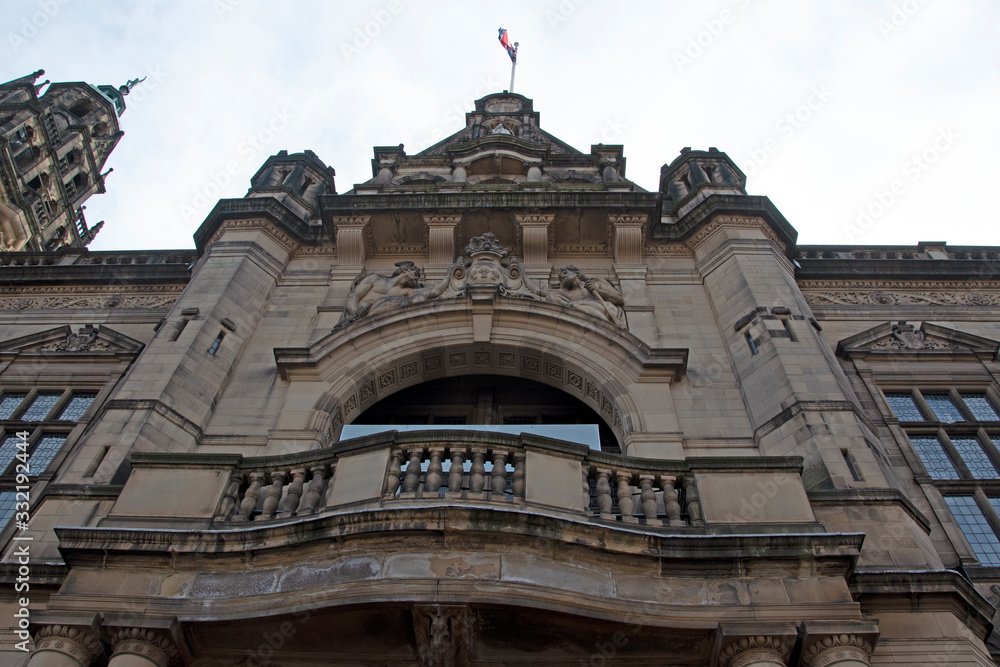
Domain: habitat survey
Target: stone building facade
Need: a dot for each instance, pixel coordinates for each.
(52, 149)
(499, 405)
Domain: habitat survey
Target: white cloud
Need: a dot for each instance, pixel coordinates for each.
(587, 65)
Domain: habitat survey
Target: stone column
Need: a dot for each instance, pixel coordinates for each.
(65, 646)
(140, 647)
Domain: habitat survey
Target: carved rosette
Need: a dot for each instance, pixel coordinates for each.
(755, 650)
(834, 650)
(153, 645)
(79, 643)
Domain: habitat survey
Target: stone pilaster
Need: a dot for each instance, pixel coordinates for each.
(441, 237)
(535, 243)
(351, 244)
(628, 237)
(65, 646)
(141, 647)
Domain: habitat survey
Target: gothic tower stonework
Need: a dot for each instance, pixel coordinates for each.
(52, 150)
(499, 405)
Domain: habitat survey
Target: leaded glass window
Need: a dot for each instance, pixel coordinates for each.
(980, 407)
(41, 407)
(9, 403)
(976, 528)
(904, 408)
(975, 458)
(944, 409)
(934, 457)
(76, 407)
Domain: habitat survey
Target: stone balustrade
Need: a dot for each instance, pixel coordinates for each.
(439, 467)
(456, 470)
(260, 490)
(623, 491)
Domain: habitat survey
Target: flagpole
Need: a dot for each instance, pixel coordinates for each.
(513, 66)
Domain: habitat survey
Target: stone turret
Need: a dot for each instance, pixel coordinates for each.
(694, 176)
(296, 180)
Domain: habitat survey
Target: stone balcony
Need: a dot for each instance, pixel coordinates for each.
(436, 468)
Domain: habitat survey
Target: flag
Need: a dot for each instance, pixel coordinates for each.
(511, 48)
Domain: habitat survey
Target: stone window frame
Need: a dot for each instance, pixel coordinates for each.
(987, 433)
(50, 424)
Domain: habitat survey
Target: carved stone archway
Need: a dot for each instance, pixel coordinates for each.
(591, 360)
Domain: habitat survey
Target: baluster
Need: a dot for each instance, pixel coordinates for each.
(412, 479)
(670, 504)
(230, 498)
(270, 506)
(294, 494)
(517, 485)
(585, 469)
(604, 500)
(498, 479)
(456, 473)
(315, 490)
(692, 501)
(392, 477)
(432, 481)
(250, 497)
(625, 503)
(648, 498)
(477, 476)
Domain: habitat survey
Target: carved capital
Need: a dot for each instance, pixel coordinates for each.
(747, 650)
(81, 644)
(153, 645)
(836, 649)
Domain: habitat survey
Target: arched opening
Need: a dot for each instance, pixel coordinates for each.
(485, 400)
(81, 107)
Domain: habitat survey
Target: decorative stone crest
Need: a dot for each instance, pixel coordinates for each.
(489, 264)
(84, 340)
(908, 337)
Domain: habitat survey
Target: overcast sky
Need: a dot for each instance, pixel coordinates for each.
(865, 122)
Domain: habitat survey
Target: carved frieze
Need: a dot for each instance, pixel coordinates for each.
(489, 264)
(881, 297)
(116, 296)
